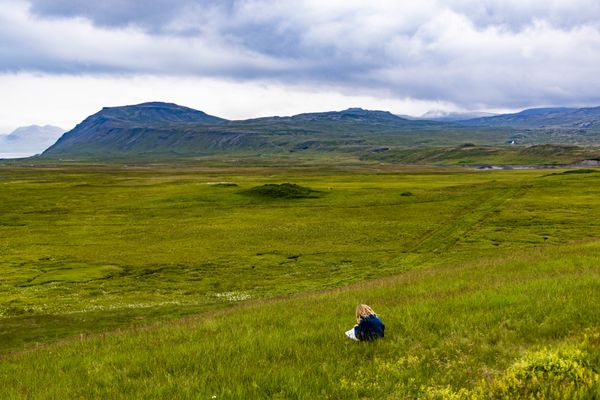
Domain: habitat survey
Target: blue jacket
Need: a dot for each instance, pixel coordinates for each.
(369, 328)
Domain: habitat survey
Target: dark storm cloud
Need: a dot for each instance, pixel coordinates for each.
(471, 53)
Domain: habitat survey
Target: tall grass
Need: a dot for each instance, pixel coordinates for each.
(454, 331)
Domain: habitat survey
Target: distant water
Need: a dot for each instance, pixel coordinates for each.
(15, 155)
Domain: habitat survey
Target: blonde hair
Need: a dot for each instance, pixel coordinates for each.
(363, 311)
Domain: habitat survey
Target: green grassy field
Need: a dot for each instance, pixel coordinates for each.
(460, 151)
(488, 282)
(469, 153)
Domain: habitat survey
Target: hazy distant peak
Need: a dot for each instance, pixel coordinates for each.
(29, 140)
(442, 115)
(436, 114)
(24, 132)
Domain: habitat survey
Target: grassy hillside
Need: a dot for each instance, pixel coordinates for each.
(488, 281)
(504, 327)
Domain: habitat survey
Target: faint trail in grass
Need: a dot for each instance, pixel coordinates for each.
(446, 236)
(463, 223)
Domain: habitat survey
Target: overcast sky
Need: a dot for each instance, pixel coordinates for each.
(61, 60)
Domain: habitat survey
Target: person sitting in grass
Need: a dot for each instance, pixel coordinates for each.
(369, 326)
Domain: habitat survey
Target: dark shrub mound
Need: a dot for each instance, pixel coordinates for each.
(581, 171)
(225, 184)
(282, 191)
(406, 194)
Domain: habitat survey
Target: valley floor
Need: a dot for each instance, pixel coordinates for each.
(488, 282)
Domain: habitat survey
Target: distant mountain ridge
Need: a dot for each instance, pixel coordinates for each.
(537, 118)
(450, 116)
(168, 129)
(164, 127)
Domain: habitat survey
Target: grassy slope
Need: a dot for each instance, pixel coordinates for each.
(447, 328)
(501, 276)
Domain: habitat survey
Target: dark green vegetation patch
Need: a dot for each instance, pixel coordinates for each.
(577, 171)
(225, 184)
(581, 171)
(283, 191)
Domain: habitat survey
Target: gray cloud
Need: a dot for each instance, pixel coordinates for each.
(475, 54)
(150, 14)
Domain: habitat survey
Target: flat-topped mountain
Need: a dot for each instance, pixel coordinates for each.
(155, 113)
(129, 128)
(351, 114)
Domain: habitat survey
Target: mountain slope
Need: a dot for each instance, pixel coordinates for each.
(120, 129)
(539, 118)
